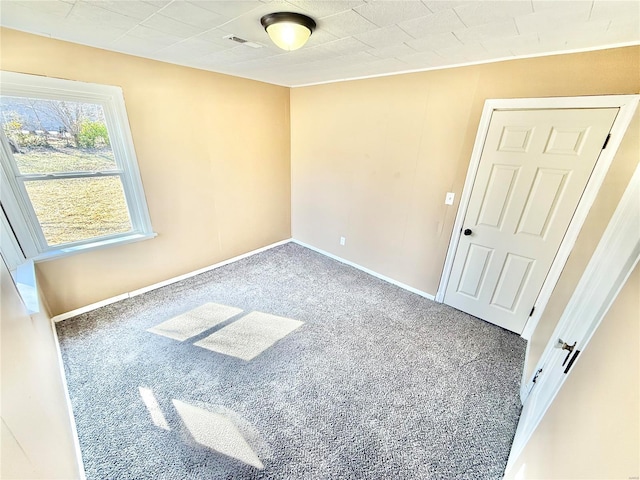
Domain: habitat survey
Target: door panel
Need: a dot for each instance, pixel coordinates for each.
(533, 169)
(543, 201)
(497, 195)
(566, 141)
(512, 281)
(515, 139)
(475, 267)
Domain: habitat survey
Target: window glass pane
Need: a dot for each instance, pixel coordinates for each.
(52, 136)
(70, 210)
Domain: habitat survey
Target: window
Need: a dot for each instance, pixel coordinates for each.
(70, 179)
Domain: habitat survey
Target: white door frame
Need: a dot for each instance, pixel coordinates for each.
(615, 257)
(627, 105)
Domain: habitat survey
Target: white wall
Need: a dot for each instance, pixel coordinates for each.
(592, 428)
(36, 438)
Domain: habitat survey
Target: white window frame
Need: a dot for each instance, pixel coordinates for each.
(15, 200)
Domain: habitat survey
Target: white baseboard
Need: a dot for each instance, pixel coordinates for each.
(72, 418)
(117, 298)
(525, 388)
(206, 269)
(366, 270)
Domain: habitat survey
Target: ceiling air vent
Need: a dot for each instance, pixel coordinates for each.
(242, 41)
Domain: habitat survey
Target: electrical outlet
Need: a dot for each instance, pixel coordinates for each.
(448, 200)
(343, 240)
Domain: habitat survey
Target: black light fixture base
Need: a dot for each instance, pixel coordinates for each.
(271, 18)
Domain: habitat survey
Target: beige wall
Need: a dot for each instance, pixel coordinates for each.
(213, 152)
(592, 429)
(372, 159)
(36, 440)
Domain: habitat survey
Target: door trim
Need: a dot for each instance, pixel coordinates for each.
(627, 104)
(615, 257)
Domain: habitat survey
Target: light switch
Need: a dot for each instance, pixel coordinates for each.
(449, 198)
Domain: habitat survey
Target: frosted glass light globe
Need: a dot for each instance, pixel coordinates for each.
(288, 35)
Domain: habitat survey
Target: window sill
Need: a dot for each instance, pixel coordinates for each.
(98, 245)
(24, 277)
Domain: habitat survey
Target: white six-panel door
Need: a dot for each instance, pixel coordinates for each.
(534, 166)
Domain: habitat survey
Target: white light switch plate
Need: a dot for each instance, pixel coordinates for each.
(449, 198)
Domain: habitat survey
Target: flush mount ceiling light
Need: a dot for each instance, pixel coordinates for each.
(288, 30)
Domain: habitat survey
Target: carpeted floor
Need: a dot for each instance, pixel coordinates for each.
(361, 380)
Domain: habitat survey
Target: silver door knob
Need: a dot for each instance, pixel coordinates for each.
(565, 346)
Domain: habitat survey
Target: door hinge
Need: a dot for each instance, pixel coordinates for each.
(535, 378)
(533, 309)
(606, 142)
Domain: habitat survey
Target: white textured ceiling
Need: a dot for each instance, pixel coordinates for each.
(354, 38)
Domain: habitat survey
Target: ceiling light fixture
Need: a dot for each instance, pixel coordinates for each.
(288, 30)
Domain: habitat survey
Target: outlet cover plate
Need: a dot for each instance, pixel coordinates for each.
(448, 200)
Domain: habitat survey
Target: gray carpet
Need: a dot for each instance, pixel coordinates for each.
(376, 383)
